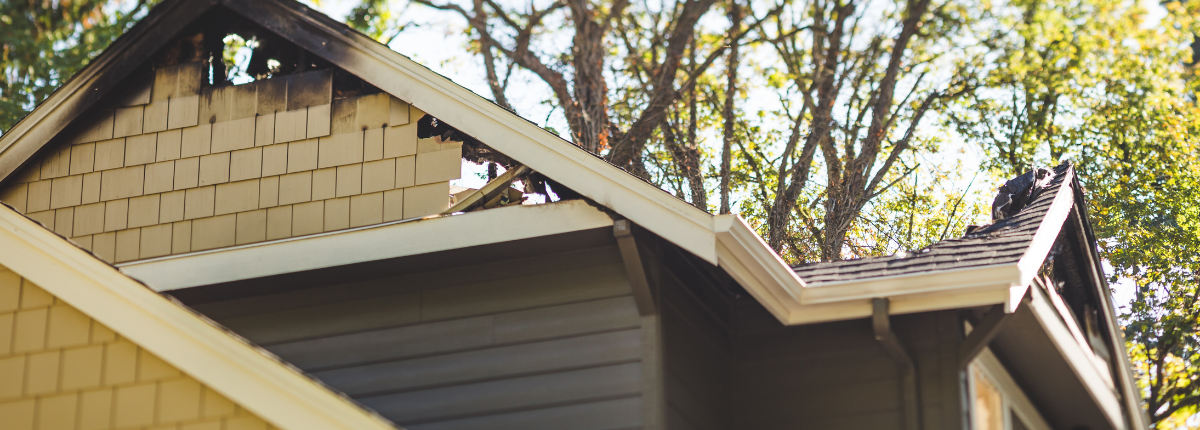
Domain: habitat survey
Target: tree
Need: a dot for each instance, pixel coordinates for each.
(659, 52)
(731, 81)
(45, 43)
(843, 63)
(578, 80)
(1091, 81)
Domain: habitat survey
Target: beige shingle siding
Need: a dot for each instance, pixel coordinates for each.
(61, 369)
(194, 168)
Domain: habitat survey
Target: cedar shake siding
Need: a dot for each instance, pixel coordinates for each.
(172, 168)
(60, 369)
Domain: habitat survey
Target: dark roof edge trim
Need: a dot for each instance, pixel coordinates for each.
(1136, 415)
(90, 84)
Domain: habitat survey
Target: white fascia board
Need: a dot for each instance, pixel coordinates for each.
(742, 253)
(372, 243)
(996, 276)
(854, 309)
(909, 293)
(1047, 232)
(270, 389)
(900, 303)
(749, 261)
(1077, 358)
(550, 155)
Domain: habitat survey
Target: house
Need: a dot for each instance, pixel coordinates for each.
(179, 252)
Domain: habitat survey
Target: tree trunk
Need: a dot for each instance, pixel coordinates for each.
(692, 163)
(735, 20)
(687, 157)
(852, 185)
(827, 53)
(589, 117)
(785, 202)
(489, 61)
(664, 91)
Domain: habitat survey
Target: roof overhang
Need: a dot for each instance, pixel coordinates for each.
(372, 243)
(741, 253)
(257, 382)
(1046, 354)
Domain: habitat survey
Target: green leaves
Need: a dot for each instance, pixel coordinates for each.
(45, 43)
(1092, 81)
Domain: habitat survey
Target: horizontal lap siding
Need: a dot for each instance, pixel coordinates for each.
(836, 376)
(602, 415)
(697, 362)
(552, 342)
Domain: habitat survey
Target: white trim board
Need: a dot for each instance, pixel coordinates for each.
(1014, 396)
(1077, 358)
(740, 252)
(271, 390)
(372, 243)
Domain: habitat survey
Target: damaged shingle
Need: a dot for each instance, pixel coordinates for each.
(1005, 241)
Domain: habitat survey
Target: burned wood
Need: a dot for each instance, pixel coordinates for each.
(473, 150)
(492, 194)
(204, 40)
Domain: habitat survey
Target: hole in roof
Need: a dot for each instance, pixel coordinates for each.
(237, 55)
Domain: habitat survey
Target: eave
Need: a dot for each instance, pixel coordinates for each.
(740, 252)
(364, 244)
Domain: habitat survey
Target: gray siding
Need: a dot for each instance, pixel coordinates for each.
(541, 343)
(697, 362)
(836, 376)
(730, 364)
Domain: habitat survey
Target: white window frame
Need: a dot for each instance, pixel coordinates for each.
(1014, 401)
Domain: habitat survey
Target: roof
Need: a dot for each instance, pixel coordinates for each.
(257, 381)
(1005, 241)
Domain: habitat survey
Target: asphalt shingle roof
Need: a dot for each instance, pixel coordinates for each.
(1004, 241)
